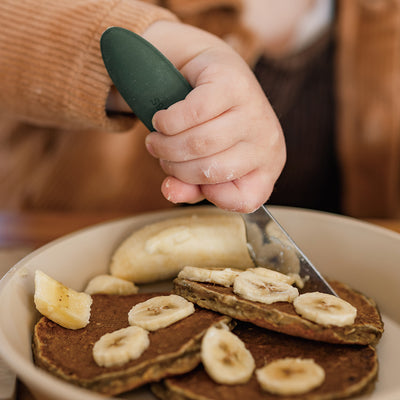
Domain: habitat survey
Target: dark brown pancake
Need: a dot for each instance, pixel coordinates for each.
(67, 353)
(349, 369)
(281, 316)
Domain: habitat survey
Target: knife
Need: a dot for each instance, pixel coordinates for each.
(271, 246)
(148, 82)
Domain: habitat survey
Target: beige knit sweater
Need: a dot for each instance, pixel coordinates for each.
(60, 150)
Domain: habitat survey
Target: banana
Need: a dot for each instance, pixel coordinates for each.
(160, 312)
(325, 309)
(273, 275)
(61, 304)
(223, 277)
(119, 347)
(160, 250)
(290, 376)
(108, 284)
(255, 287)
(225, 357)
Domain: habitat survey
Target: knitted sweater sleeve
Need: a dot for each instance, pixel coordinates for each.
(51, 71)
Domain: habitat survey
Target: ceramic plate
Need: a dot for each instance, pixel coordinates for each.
(360, 254)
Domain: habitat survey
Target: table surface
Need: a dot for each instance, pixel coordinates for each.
(20, 233)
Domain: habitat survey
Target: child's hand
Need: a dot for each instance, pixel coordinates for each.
(223, 142)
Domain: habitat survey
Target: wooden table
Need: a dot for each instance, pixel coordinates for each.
(32, 230)
(38, 228)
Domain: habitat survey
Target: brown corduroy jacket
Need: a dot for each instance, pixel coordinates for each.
(60, 150)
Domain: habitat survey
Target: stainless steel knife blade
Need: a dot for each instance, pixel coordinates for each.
(271, 246)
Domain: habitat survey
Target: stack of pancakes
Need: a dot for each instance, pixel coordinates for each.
(274, 331)
(173, 350)
(172, 362)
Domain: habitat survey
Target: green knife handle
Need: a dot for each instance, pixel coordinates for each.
(145, 78)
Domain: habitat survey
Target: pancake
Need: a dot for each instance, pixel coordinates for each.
(349, 370)
(281, 316)
(67, 353)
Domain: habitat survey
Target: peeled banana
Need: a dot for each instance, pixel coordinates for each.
(325, 309)
(290, 376)
(119, 347)
(61, 304)
(108, 284)
(160, 312)
(225, 357)
(160, 250)
(223, 277)
(255, 287)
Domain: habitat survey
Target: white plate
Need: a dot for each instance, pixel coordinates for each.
(363, 255)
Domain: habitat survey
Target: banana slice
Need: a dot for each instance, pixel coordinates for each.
(325, 309)
(61, 304)
(225, 357)
(223, 277)
(160, 312)
(290, 376)
(255, 287)
(119, 347)
(108, 284)
(273, 275)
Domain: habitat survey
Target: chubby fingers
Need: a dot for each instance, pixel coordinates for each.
(194, 110)
(218, 168)
(241, 195)
(239, 177)
(201, 141)
(220, 80)
(177, 191)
